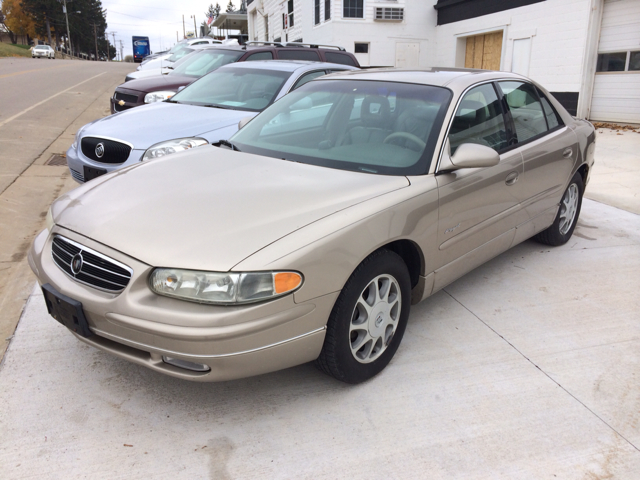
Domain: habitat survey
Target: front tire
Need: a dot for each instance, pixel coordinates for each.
(368, 320)
(566, 220)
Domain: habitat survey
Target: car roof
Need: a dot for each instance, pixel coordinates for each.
(286, 65)
(444, 77)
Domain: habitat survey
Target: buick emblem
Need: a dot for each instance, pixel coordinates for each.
(99, 150)
(76, 263)
(379, 320)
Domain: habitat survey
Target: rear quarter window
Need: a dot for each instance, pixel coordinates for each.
(308, 55)
(340, 58)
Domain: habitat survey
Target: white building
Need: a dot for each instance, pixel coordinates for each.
(560, 43)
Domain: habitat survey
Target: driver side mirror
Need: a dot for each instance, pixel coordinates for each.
(469, 155)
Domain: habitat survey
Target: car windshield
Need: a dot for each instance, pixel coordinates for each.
(179, 54)
(42, 47)
(369, 126)
(234, 88)
(203, 62)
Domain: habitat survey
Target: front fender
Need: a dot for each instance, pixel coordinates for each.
(328, 250)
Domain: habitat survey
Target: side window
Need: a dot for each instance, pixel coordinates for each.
(479, 120)
(298, 55)
(340, 58)
(553, 119)
(259, 56)
(526, 110)
(307, 77)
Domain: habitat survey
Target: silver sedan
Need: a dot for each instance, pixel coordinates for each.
(311, 232)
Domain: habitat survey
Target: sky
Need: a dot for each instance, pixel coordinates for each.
(159, 20)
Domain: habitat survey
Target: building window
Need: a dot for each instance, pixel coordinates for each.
(316, 12)
(327, 9)
(353, 9)
(612, 62)
(361, 48)
(290, 10)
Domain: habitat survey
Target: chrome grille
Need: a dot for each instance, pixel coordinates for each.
(88, 266)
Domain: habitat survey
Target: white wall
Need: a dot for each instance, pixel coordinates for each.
(418, 26)
(558, 33)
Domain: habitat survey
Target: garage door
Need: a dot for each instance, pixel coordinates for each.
(616, 90)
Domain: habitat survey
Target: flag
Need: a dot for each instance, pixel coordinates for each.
(209, 18)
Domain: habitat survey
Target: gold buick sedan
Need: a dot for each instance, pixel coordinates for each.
(310, 233)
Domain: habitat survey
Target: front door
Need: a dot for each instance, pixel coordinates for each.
(478, 207)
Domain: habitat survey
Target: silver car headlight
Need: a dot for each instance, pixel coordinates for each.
(74, 145)
(158, 96)
(172, 146)
(223, 288)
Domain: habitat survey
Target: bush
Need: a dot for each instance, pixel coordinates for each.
(128, 58)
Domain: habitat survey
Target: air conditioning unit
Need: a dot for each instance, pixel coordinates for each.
(389, 13)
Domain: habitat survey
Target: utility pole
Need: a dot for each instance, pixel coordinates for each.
(177, 36)
(195, 31)
(121, 56)
(106, 37)
(184, 33)
(95, 34)
(64, 9)
(113, 34)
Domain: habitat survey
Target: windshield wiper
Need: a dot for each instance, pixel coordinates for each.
(227, 143)
(224, 107)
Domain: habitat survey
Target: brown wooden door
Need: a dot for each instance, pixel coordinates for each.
(484, 51)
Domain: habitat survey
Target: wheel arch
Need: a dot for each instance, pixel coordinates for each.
(412, 256)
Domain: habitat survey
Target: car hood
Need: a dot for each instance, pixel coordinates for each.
(158, 82)
(210, 208)
(147, 125)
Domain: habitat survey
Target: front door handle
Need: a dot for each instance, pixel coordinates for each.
(567, 152)
(511, 178)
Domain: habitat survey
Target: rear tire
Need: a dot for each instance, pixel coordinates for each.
(566, 219)
(368, 320)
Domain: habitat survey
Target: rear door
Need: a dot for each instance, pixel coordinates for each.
(549, 148)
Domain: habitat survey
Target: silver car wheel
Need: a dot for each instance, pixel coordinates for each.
(568, 208)
(375, 318)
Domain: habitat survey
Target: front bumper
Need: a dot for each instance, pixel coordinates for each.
(76, 162)
(142, 327)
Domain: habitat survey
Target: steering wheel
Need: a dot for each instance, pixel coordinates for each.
(406, 136)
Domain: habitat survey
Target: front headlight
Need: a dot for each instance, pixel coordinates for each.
(158, 96)
(223, 288)
(173, 146)
(77, 139)
(49, 223)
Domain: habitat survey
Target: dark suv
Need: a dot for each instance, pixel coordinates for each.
(160, 87)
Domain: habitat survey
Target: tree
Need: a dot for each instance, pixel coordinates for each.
(17, 21)
(231, 7)
(217, 9)
(87, 23)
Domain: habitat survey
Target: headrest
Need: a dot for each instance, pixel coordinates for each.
(375, 111)
(472, 111)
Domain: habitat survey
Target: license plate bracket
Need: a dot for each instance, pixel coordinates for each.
(66, 310)
(90, 173)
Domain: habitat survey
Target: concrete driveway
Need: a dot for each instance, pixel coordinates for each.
(526, 368)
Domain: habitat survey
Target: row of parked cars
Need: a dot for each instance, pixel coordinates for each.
(272, 210)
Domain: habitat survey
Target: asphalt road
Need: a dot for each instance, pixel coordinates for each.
(42, 104)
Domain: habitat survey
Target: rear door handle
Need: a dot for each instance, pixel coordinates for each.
(567, 152)
(511, 178)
